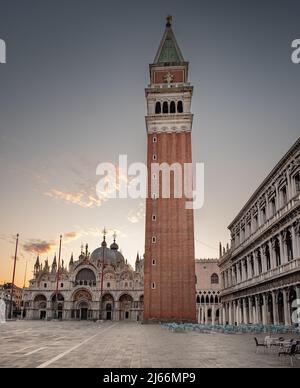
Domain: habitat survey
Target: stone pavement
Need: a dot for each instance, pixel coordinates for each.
(125, 345)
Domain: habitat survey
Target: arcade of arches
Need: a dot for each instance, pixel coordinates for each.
(275, 307)
(83, 307)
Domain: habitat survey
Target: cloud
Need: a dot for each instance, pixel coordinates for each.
(82, 198)
(136, 215)
(71, 236)
(38, 246)
(44, 247)
(85, 191)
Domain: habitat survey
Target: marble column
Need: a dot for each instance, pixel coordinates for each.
(213, 318)
(257, 311)
(275, 308)
(287, 316)
(234, 312)
(256, 271)
(245, 313)
(298, 305)
(230, 313)
(238, 272)
(294, 242)
(250, 307)
(264, 310)
(263, 259)
(272, 255)
(297, 237)
(282, 250)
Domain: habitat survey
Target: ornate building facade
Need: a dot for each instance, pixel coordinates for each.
(260, 273)
(208, 288)
(86, 292)
(169, 241)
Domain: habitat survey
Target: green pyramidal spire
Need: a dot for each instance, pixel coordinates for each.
(169, 51)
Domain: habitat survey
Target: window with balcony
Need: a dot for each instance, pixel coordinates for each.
(268, 258)
(297, 182)
(214, 279)
(273, 206)
(277, 253)
(249, 229)
(283, 194)
(263, 215)
(243, 235)
(259, 265)
(255, 222)
(289, 246)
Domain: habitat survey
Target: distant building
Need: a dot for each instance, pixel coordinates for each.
(5, 294)
(208, 287)
(261, 271)
(101, 285)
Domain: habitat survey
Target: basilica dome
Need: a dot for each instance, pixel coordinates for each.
(111, 255)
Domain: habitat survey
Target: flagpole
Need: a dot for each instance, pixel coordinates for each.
(25, 275)
(57, 278)
(13, 279)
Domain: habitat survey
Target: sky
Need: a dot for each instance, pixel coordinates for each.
(72, 95)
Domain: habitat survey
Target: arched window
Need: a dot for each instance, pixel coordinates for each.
(158, 108)
(277, 252)
(180, 107)
(289, 245)
(198, 299)
(207, 300)
(173, 107)
(165, 107)
(268, 258)
(85, 276)
(214, 278)
(202, 299)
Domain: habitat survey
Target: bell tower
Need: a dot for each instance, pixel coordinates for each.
(169, 279)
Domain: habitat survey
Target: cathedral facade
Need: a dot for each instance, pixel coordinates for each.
(97, 286)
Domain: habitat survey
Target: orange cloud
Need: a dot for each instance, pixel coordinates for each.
(38, 246)
(43, 247)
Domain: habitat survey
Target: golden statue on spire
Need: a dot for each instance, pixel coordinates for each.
(169, 20)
